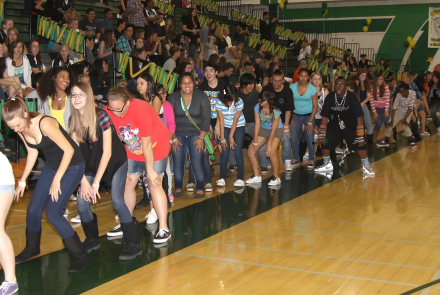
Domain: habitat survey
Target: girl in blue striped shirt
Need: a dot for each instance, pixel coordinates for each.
(232, 129)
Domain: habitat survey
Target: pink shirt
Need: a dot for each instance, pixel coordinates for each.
(168, 115)
(380, 102)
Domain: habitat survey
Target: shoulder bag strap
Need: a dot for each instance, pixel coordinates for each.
(186, 111)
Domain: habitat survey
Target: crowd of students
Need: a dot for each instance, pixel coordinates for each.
(104, 138)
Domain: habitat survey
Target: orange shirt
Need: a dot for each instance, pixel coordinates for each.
(295, 75)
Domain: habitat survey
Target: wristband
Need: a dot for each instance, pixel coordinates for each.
(286, 127)
(222, 141)
(310, 123)
(359, 139)
(95, 186)
(322, 131)
(22, 184)
(255, 143)
(360, 131)
(285, 131)
(216, 127)
(201, 138)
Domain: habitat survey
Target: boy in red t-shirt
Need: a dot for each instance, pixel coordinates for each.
(147, 145)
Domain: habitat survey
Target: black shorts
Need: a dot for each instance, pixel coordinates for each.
(335, 135)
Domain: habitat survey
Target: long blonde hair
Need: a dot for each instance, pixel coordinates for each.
(320, 84)
(68, 15)
(80, 125)
(198, 60)
(244, 58)
(219, 33)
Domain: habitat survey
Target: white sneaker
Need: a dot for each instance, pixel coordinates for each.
(366, 168)
(326, 167)
(116, 231)
(73, 198)
(66, 212)
(190, 187)
(288, 165)
(239, 182)
(208, 187)
(275, 181)
(438, 129)
(151, 217)
(254, 179)
(306, 157)
(221, 182)
(76, 219)
(117, 217)
(383, 144)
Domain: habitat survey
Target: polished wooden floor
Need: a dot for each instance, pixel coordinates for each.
(349, 236)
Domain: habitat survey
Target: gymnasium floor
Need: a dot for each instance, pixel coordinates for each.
(311, 235)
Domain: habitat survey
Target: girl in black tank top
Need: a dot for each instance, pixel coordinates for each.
(61, 174)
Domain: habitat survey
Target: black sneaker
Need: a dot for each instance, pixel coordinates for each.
(162, 236)
(116, 231)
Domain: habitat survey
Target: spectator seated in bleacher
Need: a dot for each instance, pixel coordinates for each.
(6, 24)
(233, 54)
(205, 33)
(259, 53)
(70, 13)
(8, 83)
(106, 23)
(248, 68)
(167, 44)
(154, 48)
(62, 7)
(18, 65)
(151, 15)
(225, 71)
(190, 26)
(137, 64)
(198, 66)
(242, 30)
(106, 46)
(54, 47)
(180, 41)
(160, 28)
(262, 69)
(194, 47)
(12, 35)
(244, 58)
(89, 25)
(42, 8)
(119, 29)
(35, 60)
(170, 64)
(99, 80)
(126, 42)
(63, 59)
(168, 24)
(139, 43)
(220, 41)
(302, 65)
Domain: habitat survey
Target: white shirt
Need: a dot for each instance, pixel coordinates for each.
(228, 40)
(6, 174)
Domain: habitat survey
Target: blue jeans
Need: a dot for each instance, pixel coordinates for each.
(196, 158)
(54, 211)
(118, 189)
(380, 119)
(434, 107)
(367, 119)
(206, 170)
(295, 134)
(262, 159)
(238, 152)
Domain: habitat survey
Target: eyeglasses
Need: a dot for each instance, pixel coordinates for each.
(81, 94)
(116, 110)
(105, 65)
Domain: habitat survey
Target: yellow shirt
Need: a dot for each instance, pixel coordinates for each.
(57, 114)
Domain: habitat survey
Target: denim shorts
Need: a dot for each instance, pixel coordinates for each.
(137, 167)
(421, 108)
(7, 188)
(266, 133)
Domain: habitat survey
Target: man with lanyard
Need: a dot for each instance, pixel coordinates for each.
(342, 118)
(284, 97)
(403, 107)
(406, 78)
(212, 87)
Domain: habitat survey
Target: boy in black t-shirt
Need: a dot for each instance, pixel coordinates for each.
(342, 118)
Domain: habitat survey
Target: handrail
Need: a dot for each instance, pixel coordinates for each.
(211, 5)
(159, 74)
(49, 29)
(268, 45)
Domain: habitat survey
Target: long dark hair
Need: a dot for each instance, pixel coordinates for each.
(98, 73)
(375, 86)
(353, 67)
(14, 44)
(151, 90)
(420, 82)
(38, 56)
(437, 75)
(268, 96)
(2, 65)
(46, 84)
(228, 94)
